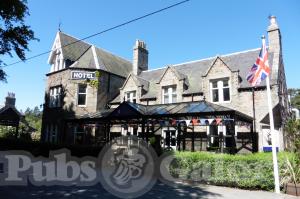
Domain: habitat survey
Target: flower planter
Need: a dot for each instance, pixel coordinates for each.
(292, 189)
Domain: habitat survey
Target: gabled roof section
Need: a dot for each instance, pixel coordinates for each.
(9, 115)
(140, 82)
(213, 64)
(127, 110)
(5, 108)
(178, 74)
(194, 70)
(89, 56)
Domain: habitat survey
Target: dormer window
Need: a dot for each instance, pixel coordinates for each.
(130, 96)
(169, 94)
(220, 90)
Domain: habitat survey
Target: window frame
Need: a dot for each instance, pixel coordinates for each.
(78, 93)
(220, 90)
(55, 97)
(132, 96)
(170, 92)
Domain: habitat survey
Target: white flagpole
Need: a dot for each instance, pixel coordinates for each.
(274, 139)
(274, 153)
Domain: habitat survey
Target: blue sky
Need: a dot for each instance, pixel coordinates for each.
(194, 30)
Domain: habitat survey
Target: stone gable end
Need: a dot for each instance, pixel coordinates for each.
(169, 78)
(130, 85)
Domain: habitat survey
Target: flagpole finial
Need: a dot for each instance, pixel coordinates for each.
(263, 39)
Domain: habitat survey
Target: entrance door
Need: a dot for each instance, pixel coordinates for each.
(170, 139)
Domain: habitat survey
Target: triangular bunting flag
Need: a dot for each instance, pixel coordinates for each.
(187, 122)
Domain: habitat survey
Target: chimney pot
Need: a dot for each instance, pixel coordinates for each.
(273, 20)
(10, 100)
(273, 23)
(140, 57)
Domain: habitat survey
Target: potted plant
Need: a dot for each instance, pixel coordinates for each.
(291, 174)
(291, 179)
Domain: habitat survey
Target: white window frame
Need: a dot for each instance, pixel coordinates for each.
(55, 97)
(86, 91)
(171, 90)
(220, 88)
(132, 96)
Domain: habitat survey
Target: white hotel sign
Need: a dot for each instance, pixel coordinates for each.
(83, 75)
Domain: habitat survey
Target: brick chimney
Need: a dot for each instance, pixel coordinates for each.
(140, 57)
(274, 37)
(10, 100)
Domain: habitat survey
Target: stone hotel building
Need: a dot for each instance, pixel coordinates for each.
(93, 96)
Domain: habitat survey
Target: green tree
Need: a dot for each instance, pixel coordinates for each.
(33, 119)
(295, 97)
(292, 128)
(14, 34)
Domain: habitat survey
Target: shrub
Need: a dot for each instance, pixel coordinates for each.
(252, 171)
(292, 172)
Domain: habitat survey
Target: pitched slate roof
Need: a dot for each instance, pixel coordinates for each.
(193, 71)
(113, 63)
(9, 115)
(86, 60)
(74, 48)
(81, 53)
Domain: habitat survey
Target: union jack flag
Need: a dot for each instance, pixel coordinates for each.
(260, 70)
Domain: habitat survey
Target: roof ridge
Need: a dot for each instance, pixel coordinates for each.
(217, 55)
(239, 52)
(194, 61)
(155, 69)
(96, 46)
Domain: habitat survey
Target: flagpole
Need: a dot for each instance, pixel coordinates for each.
(274, 152)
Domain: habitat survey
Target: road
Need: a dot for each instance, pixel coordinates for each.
(159, 191)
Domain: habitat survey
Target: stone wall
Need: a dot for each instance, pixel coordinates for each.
(96, 99)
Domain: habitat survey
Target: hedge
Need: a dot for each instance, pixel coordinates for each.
(251, 171)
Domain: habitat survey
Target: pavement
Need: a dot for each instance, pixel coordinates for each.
(159, 191)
